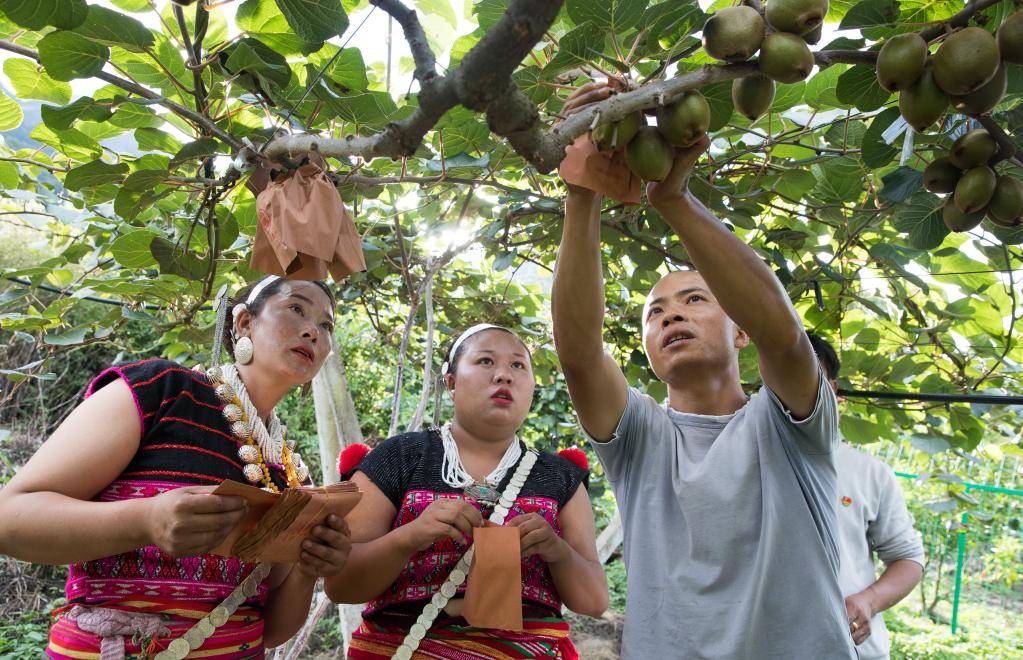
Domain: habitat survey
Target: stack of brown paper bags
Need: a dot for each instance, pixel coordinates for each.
(276, 524)
(304, 230)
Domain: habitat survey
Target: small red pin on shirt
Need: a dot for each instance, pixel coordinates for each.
(846, 500)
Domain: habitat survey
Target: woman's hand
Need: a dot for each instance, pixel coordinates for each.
(326, 550)
(189, 521)
(452, 518)
(538, 538)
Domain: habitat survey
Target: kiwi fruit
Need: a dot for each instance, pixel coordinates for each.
(975, 189)
(683, 121)
(1006, 205)
(956, 220)
(966, 60)
(972, 148)
(649, 156)
(901, 61)
(923, 102)
(940, 175)
(733, 34)
(813, 37)
(753, 95)
(985, 98)
(1010, 38)
(613, 136)
(785, 57)
(796, 16)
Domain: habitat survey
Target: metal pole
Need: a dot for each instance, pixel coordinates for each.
(959, 571)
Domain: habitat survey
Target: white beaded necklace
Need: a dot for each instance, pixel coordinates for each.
(270, 441)
(455, 474)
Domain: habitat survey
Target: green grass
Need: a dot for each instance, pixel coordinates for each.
(985, 631)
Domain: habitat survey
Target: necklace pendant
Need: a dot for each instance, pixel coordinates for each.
(482, 493)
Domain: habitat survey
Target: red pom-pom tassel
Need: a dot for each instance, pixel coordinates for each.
(350, 458)
(577, 456)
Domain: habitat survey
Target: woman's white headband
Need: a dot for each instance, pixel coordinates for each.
(256, 290)
(476, 329)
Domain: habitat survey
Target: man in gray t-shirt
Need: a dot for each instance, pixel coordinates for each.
(727, 501)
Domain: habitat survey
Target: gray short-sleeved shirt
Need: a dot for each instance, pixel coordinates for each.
(730, 531)
(872, 518)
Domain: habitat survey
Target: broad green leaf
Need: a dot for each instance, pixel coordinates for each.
(440, 8)
(135, 6)
(921, 219)
(9, 176)
(859, 88)
(93, 174)
(876, 152)
(841, 179)
(30, 81)
(263, 19)
(488, 12)
(900, 184)
(111, 28)
(10, 113)
(83, 109)
(719, 97)
(175, 262)
(869, 13)
(574, 48)
(787, 96)
(1007, 235)
(67, 55)
(37, 14)
(821, 89)
(615, 16)
(72, 143)
(795, 183)
(142, 180)
(194, 151)
(153, 139)
(347, 73)
(133, 115)
(315, 20)
(131, 250)
(69, 338)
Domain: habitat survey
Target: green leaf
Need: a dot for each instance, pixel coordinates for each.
(136, 6)
(719, 97)
(575, 47)
(93, 174)
(439, 8)
(30, 81)
(72, 143)
(131, 250)
(83, 109)
(929, 444)
(795, 183)
(252, 56)
(175, 262)
(348, 71)
(1007, 235)
(921, 220)
(194, 151)
(69, 338)
(134, 115)
(841, 179)
(264, 20)
(67, 55)
(315, 20)
(859, 88)
(870, 13)
(821, 89)
(615, 16)
(142, 180)
(900, 184)
(10, 113)
(458, 161)
(876, 152)
(787, 96)
(37, 14)
(152, 139)
(111, 28)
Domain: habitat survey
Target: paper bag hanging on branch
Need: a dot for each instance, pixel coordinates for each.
(603, 172)
(304, 231)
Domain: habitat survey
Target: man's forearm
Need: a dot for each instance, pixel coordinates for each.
(577, 298)
(895, 583)
(742, 283)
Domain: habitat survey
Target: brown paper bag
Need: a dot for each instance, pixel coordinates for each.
(276, 524)
(604, 172)
(493, 595)
(304, 229)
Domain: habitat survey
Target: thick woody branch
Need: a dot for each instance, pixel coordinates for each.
(958, 20)
(422, 54)
(190, 115)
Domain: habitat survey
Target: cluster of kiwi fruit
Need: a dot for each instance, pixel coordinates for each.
(649, 150)
(975, 190)
(735, 34)
(967, 71)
